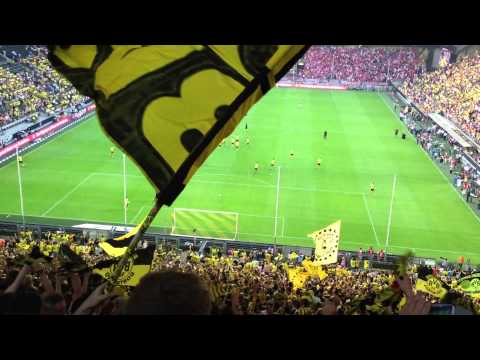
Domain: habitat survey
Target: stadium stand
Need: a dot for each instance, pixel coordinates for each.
(243, 279)
(361, 64)
(452, 90)
(29, 87)
(236, 281)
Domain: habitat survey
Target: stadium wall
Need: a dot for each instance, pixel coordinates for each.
(332, 85)
(61, 123)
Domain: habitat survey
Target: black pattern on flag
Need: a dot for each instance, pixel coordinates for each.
(169, 106)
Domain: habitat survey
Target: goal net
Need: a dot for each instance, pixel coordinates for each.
(205, 223)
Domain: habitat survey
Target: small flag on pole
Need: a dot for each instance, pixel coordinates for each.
(118, 246)
(326, 243)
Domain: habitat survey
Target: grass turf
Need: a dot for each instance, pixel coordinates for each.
(414, 206)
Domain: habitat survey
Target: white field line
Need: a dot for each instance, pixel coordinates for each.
(390, 212)
(370, 218)
(68, 194)
(254, 185)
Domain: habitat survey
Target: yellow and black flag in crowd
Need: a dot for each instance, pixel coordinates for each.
(430, 284)
(326, 243)
(118, 246)
(138, 265)
(169, 106)
(470, 285)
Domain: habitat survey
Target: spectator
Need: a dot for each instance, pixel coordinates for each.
(53, 304)
(170, 293)
(32, 86)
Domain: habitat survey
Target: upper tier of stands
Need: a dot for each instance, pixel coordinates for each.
(361, 64)
(30, 87)
(453, 90)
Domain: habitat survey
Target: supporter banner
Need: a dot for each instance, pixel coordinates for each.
(431, 286)
(470, 285)
(326, 243)
(61, 122)
(139, 263)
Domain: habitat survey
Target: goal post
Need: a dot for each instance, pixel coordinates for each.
(205, 223)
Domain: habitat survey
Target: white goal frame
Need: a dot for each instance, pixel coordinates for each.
(174, 224)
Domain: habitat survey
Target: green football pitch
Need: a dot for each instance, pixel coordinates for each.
(414, 206)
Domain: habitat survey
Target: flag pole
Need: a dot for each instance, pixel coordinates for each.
(124, 192)
(131, 248)
(20, 187)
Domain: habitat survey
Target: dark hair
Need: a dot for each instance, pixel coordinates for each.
(11, 276)
(6, 303)
(26, 302)
(170, 293)
(51, 304)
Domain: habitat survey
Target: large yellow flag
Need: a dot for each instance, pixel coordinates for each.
(314, 269)
(326, 243)
(169, 106)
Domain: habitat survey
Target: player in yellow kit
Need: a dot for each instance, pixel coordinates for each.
(372, 187)
(256, 167)
(112, 151)
(319, 162)
(272, 163)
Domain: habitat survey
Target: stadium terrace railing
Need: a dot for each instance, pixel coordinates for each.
(161, 237)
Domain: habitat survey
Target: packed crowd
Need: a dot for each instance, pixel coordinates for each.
(35, 89)
(361, 64)
(256, 282)
(453, 90)
(443, 149)
(17, 52)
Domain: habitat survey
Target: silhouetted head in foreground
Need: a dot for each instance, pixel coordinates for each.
(170, 293)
